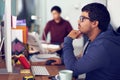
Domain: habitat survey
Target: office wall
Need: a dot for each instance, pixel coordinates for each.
(70, 10)
(113, 7)
(2, 7)
(13, 7)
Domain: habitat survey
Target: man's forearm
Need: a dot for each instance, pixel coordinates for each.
(78, 66)
(86, 63)
(68, 55)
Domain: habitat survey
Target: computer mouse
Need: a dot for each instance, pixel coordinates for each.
(49, 62)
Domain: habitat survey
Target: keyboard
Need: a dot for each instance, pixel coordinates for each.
(39, 70)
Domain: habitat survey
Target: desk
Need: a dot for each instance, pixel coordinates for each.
(53, 70)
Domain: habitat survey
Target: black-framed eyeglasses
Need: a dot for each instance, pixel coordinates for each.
(83, 17)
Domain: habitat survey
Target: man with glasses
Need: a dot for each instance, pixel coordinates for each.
(100, 59)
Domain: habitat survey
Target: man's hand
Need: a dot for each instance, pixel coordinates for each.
(74, 34)
(58, 61)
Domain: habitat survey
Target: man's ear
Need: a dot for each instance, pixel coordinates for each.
(95, 24)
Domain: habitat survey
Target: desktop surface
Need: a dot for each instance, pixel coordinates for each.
(53, 70)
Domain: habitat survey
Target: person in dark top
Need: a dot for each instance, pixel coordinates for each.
(100, 59)
(58, 27)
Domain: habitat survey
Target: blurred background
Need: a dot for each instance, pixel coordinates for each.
(37, 12)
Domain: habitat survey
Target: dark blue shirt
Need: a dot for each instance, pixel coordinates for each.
(101, 60)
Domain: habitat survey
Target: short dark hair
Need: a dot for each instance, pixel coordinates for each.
(56, 8)
(98, 12)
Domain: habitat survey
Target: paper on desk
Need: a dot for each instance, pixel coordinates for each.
(33, 40)
(34, 59)
(17, 33)
(42, 57)
(25, 71)
(50, 46)
(53, 46)
(14, 18)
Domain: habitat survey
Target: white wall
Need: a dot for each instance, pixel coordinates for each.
(113, 7)
(68, 10)
(41, 13)
(71, 10)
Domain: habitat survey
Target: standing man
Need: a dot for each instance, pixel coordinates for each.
(58, 28)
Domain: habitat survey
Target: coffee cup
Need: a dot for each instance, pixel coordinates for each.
(64, 75)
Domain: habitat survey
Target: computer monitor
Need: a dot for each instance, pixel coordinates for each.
(35, 43)
(18, 47)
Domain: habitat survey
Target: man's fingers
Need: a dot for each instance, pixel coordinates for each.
(79, 36)
(57, 62)
(78, 32)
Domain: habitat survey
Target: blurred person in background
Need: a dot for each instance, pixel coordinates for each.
(58, 27)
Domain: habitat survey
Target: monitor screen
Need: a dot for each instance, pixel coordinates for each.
(17, 47)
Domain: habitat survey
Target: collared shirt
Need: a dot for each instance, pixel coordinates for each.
(85, 47)
(58, 31)
(101, 60)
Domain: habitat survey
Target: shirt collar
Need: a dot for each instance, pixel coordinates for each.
(61, 21)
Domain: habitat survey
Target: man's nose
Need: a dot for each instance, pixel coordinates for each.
(78, 26)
